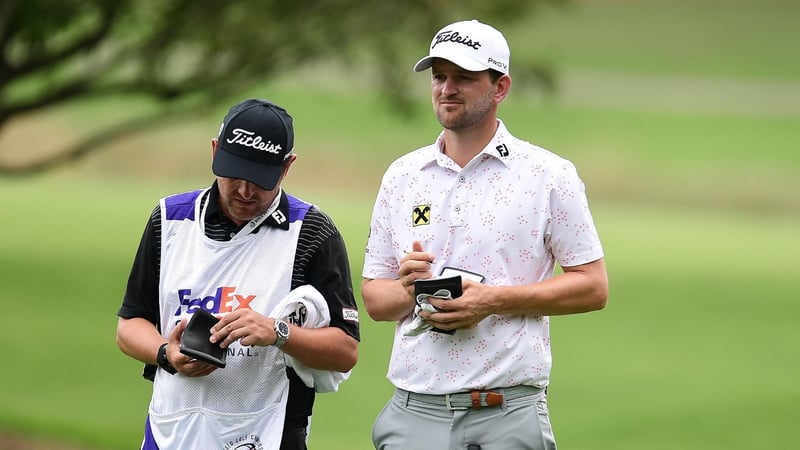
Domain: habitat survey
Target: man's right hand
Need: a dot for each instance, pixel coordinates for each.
(416, 265)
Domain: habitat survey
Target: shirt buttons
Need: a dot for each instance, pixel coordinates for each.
(462, 179)
(232, 234)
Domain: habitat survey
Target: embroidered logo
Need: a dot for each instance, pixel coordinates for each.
(421, 215)
(298, 316)
(350, 315)
(500, 64)
(502, 149)
(453, 36)
(247, 138)
(279, 217)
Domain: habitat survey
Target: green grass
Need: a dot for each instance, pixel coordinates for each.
(708, 38)
(684, 128)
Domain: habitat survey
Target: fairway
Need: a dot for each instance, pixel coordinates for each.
(684, 128)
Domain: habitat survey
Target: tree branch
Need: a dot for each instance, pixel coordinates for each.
(88, 41)
(90, 144)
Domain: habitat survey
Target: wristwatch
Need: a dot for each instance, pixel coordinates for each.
(162, 360)
(281, 333)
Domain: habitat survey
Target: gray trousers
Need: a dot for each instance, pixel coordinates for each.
(519, 424)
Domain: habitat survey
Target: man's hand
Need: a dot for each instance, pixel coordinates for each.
(416, 265)
(462, 312)
(246, 326)
(185, 364)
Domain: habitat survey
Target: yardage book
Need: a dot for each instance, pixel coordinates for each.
(195, 341)
(431, 286)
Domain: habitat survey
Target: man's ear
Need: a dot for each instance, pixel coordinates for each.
(503, 87)
(288, 164)
(214, 142)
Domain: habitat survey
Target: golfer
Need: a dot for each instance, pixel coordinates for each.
(472, 372)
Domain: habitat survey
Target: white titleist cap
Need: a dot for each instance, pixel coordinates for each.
(470, 44)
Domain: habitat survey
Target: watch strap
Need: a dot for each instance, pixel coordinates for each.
(162, 360)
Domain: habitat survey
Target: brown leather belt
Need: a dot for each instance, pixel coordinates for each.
(473, 399)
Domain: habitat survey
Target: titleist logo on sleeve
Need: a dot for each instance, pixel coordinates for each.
(249, 139)
(453, 36)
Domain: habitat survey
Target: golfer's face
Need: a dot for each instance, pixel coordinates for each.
(242, 200)
(461, 99)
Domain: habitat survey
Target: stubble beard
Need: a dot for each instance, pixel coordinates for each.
(469, 117)
(240, 215)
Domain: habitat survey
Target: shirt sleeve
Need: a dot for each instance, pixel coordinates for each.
(329, 272)
(379, 259)
(571, 234)
(141, 294)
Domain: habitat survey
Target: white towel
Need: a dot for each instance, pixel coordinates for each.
(307, 307)
(419, 325)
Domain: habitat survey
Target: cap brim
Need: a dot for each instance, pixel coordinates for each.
(461, 61)
(423, 64)
(229, 165)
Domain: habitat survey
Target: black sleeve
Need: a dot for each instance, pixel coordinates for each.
(328, 271)
(141, 295)
(322, 262)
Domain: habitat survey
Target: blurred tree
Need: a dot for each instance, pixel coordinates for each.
(186, 54)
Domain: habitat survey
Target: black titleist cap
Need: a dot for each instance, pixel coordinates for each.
(255, 140)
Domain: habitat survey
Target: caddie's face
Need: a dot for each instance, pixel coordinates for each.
(461, 99)
(242, 200)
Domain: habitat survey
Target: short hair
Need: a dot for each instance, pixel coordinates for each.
(494, 75)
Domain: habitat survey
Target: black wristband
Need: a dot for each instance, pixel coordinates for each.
(162, 360)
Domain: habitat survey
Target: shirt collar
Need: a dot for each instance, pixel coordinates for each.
(496, 148)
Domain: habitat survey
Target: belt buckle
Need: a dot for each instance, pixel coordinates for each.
(450, 405)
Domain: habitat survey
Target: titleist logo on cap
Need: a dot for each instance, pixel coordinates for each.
(454, 36)
(249, 139)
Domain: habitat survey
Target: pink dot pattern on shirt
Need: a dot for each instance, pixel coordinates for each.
(510, 219)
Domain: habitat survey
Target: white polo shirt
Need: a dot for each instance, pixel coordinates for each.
(510, 214)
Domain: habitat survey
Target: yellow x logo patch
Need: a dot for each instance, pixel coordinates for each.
(421, 215)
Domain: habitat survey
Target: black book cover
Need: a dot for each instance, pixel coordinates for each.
(195, 341)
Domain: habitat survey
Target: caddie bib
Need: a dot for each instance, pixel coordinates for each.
(245, 402)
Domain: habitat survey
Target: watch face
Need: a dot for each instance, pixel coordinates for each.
(283, 328)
